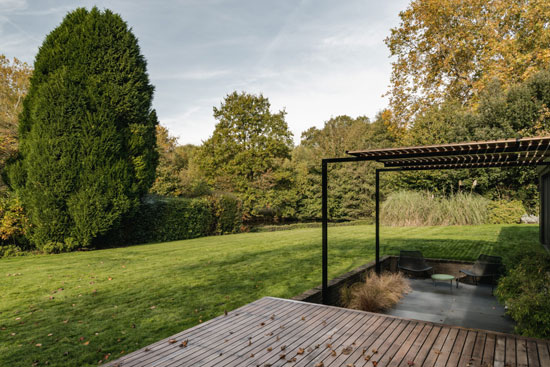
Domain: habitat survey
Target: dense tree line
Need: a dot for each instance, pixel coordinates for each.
(287, 186)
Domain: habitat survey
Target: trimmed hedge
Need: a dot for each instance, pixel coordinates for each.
(161, 219)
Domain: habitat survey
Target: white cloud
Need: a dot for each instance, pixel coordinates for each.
(193, 75)
(7, 6)
(355, 37)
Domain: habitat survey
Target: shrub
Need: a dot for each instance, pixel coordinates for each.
(412, 208)
(13, 227)
(87, 131)
(505, 212)
(526, 293)
(227, 212)
(377, 293)
(161, 219)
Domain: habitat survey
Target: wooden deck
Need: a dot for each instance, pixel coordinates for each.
(279, 332)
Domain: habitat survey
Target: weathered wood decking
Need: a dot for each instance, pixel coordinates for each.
(279, 332)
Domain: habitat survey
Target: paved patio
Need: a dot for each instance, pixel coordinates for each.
(468, 306)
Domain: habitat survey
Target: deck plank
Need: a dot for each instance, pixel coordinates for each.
(379, 343)
(466, 355)
(321, 353)
(489, 350)
(254, 335)
(477, 353)
(435, 350)
(427, 337)
(457, 349)
(414, 341)
(521, 353)
(204, 343)
(544, 353)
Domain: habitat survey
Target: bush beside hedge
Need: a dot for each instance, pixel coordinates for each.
(227, 211)
(505, 212)
(525, 290)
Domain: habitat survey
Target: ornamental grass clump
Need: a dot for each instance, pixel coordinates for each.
(377, 293)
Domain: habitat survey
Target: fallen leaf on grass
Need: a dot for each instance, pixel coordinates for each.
(38, 345)
(86, 343)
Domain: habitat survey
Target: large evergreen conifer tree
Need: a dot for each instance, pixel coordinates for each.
(87, 131)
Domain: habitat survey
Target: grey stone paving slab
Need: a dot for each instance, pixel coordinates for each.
(468, 306)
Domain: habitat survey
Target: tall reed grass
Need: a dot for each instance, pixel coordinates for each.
(412, 208)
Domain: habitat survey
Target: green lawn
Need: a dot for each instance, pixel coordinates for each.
(76, 309)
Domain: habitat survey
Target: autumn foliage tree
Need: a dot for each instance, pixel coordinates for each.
(87, 131)
(14, 83)
(452, 49)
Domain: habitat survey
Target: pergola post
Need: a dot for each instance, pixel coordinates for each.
(377, 230)
(324, 209)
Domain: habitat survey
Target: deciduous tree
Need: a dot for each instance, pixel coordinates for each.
(453, 49)
(14, 83)
(246, 153)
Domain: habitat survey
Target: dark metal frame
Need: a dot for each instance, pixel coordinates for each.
(405, 167)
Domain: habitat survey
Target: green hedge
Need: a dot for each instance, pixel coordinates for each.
(161, 219)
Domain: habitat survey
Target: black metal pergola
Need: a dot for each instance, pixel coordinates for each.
(483, 154)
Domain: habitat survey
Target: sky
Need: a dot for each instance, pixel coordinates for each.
(316, 59)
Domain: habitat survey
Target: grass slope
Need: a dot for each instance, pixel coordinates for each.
(78, 309)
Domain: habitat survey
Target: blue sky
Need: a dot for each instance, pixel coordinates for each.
(316, 59)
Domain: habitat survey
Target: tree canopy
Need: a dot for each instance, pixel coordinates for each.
(247, 150)
(453, 49)
(87, 131)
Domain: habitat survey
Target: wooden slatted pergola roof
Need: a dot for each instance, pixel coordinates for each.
(497, 153)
